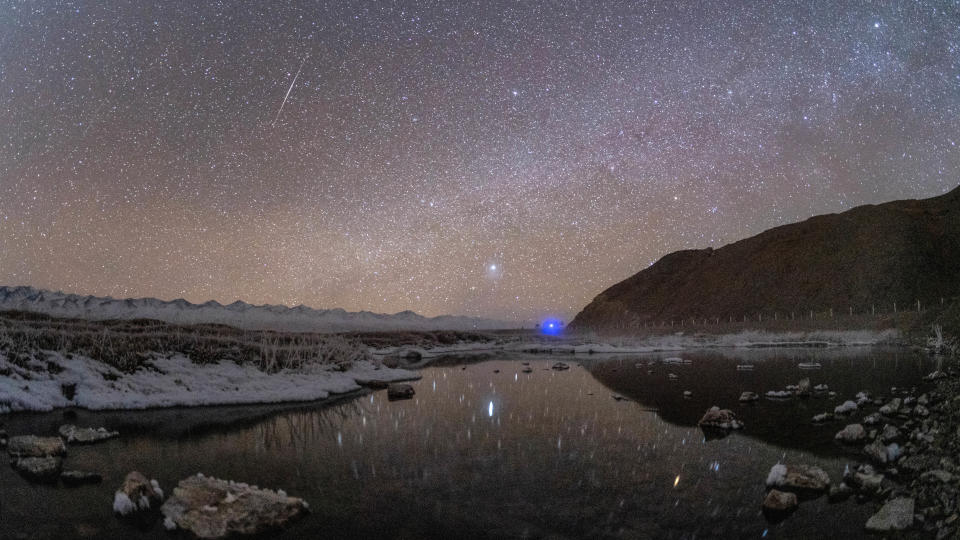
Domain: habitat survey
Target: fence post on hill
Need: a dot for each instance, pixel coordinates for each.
(918, 305)
(894, 308)
(872, 312)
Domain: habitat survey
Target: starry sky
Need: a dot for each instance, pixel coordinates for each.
(498, 159)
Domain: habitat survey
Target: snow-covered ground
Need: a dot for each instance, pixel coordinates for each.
(174, 381)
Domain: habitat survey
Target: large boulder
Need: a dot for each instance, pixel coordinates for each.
(802, 478)
(85, 435)
(851, 434)
(400, 391)
(895, 515)
(39, 469)
(33, 446)
(718, 418)
(137, 493)
(212, 508)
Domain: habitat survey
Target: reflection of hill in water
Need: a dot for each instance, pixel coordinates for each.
(713, 378)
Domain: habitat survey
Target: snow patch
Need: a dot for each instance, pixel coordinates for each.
(778, 473)
(177, 381)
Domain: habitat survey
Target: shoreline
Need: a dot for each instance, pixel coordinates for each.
(174, 380)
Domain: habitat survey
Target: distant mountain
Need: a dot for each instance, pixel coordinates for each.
(872, 255)
(238, 314)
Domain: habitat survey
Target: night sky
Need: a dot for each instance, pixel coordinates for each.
(501, 159)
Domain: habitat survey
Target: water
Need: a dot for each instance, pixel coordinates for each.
(479, 454)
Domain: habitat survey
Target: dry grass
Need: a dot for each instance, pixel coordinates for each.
(127, 345)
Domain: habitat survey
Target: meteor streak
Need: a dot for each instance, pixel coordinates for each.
(288, 91)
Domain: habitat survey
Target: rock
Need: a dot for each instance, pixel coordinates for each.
(137, 493)
(779, 501)
(821, 388)
(851, 434)
(374, 384)
(892, 407)
(412, 356)
(822, 417)
(79, 435)
(39, 469)
(560, 366)
(867, 479)
(672, 376)
(806, 478)
(890, 433)
(76, 478)
(803, 388)
(840, 492)
(399, 391)
(391, 362)
(893, 452)
(918, 463)
(527, 370)
(937, 475)
(718, 418)
(845, 408)
(748, 396)
(921, 411)
(871, 419)
(33, 446)
(687, 394)
(876, 451)
(895, 515)
(212, 508)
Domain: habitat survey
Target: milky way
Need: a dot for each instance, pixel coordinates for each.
(501, 159)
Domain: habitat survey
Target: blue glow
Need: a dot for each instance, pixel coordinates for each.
(551, 327)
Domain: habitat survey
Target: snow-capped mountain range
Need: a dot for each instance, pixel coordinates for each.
(238, 314)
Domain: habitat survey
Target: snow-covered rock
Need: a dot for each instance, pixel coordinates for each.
(822, 417)
(798, 478)
(212, 508)
(748, 396)
(38, 469)
(33, 446)
(718, 418)
(79, 435)
(76, 478)
(846, 407)
(851, 433)
(136, 494)
(892, 407)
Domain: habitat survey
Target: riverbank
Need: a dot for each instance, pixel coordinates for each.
(57, 381)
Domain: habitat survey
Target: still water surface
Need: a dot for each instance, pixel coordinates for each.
(486, 454)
